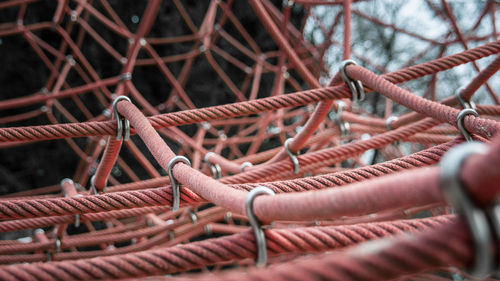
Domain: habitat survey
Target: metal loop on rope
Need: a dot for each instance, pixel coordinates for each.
(58, 245)
(125, 76)
(77, 217)
(244, 165)
(260, 237)
(356, 87)
(389, 121)
(476, 218)
(63, 181)
(293, 157)
(193, 216)
(464, 103)
(343, 125)
(215, 168)
(176, 196)
(122, 124)
(93, 189)
(460, 122)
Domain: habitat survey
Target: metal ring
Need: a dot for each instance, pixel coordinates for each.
(92, 186)
(388, 122)
(207, 156)
(343, 126)
(77, 217)
(464, 103)
(63, 181)
(208, 229)
(244, 165)
(356, 87)
(293, 157)
(260, 237)
(460, 122)
(127, 76)
(454, 192)
(122, 126)
(215, 168)
(58, 245)
(175, 186)
(193, 216)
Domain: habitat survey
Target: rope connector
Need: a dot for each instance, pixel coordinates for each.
(260, 237)
(389, 121)
(293, 157)
(65, 193)
(127, 76)
(244, 165)
(215, 168)
(343, 125)
(356, 87)
(460, 122)
(192, 216)
(122, 124)
(476, 218)
(464, 103)
(176, 196)
(93, 189)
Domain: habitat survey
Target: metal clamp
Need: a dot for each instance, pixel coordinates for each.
(464, 103)
(193, 216)
(343, 125)
(176, 196)
(58, 245)
(460, 122)
(476, 218)
(63, 181)
(122, 124)
(293, 157)
(260, 237)
(127, 76)
(389, 121)
(215, 168)
(356, 87)
(92, 188)
(244, 165)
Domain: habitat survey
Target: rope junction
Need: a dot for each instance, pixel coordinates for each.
(274, 185)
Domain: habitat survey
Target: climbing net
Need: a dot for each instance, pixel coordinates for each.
(290, 173)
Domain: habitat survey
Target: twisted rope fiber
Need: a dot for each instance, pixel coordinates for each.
(92, 203)
(426, 157)
(213, 251)
(310, 161)
(375, 260)
(106, 164)
(13, 225)
(481, 78)
(83, 240)
(359, 198)
(422, 158)
(445, 63)
(484, 127)
(103, 128)
(85, 129)
(64, 206)
(143, 237)
(97, 203)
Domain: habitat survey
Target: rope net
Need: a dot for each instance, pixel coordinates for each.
(254, 95)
